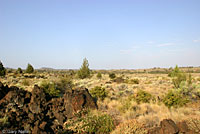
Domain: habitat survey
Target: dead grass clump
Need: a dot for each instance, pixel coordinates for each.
(130, 127)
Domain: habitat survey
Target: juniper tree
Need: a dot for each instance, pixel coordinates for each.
(29, 69)
(2, 70)
(84, 71)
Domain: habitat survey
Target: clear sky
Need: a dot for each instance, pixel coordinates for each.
(111, 34)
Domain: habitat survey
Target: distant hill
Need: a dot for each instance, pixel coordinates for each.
(46, 68)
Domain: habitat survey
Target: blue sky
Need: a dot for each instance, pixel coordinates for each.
(111, 34)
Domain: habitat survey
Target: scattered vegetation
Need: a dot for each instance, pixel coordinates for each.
(84, 71)
(120, 95)
(91, 123)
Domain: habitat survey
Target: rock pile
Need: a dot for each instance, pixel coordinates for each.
(36, 112)
(168, 126)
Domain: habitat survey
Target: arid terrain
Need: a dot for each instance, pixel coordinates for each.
(131, 101)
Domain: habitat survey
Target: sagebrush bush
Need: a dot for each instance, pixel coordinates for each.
(84, 71)
(2, 70)
(130, 127)
(177, 77)
(57, 88)
(50, 88)
(175, 99)
(194, 124)
(26, 82)
(91, 123)
(65, 83)
(132, 81)
(99, 76)
(143, 97)
(112, 75)
(99, 92)
(29, 69)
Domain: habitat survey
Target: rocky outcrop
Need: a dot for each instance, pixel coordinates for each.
(37, 112)
(168, 126)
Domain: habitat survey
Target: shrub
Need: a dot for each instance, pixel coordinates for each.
(119, 80)
(90, 123)
(84, 71)
(112, 75)
(3, 122)
(25, 82)
(130, 127)
(175, 99)
(2, 70)
(132, 81)
(65, 83)
(99, 76)
(57, 88)
(50, 88)
(29, 69)
(99, 92)
(177, 77)
(194, 124)
(19, 70)
(126, 105)
(143, 97)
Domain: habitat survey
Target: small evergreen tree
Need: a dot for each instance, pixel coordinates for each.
(84, 71)
(99, 76)
(29, 69)
(2, 70)
(19, 70)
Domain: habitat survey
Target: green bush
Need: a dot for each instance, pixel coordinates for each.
(143, 97)
(29, 69)
(50, 88)
(175, 99)
(2, 70)
(99, 92)
(99, 76)
(90, 123)
(177, 77)
(19, 71)
(132, 81)
(65, 83)
(84, 71)
(57, 88)
(26, 82)
(112, 75)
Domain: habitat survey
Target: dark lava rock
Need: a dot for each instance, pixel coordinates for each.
(37, 112)
(3, 90)
(168, 126)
